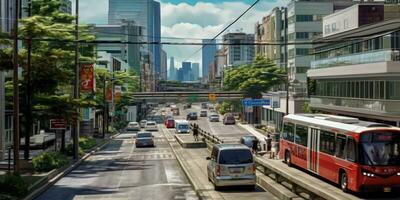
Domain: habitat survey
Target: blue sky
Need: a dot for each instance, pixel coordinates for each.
(191, 19)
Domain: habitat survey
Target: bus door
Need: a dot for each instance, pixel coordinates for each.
(313, 149)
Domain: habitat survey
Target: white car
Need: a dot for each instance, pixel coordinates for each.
(214, 117)
(151, 126)
(143, 123)
(133, 126)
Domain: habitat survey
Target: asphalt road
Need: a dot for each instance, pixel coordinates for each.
(230, 133)
(121, 171)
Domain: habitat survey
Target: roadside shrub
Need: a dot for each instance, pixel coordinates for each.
(87, 143)
(48, 161)
(69, 150)
(12, 186)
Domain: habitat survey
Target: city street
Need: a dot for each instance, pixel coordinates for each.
(230, 133)
(121, 171)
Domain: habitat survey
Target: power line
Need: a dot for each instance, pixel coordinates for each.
(223, 30)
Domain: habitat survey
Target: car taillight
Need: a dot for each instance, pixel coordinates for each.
(254, 168)
(218, 170)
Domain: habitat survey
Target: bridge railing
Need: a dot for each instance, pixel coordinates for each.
(208, 136)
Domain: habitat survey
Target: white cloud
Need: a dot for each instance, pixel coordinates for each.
(201, 20)
(205, 20)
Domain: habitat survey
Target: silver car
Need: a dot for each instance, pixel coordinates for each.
(231, 165)
(133, 126)
(213, 117)
(144, 139)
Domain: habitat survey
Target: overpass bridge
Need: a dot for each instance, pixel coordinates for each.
(188, 96)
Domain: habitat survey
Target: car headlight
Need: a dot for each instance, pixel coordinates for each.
(369, 174)
(398, 173)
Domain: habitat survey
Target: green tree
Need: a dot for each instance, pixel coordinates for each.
(250, 78)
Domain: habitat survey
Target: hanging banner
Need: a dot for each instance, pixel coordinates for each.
(109, 94)
(87, 77)
(117, 93)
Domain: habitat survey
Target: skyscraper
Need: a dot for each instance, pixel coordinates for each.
(145, 13)
(195, 72)
(208, 53)
(172, 70)
(164, 65)
(186, 68)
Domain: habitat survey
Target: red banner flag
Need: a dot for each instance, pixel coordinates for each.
(87, 77)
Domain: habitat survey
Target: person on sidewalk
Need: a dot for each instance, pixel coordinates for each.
(196, 132)
(255, 146)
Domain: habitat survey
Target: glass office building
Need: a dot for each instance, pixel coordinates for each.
(145, 13)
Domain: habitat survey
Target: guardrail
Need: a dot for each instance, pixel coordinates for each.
(208, 136)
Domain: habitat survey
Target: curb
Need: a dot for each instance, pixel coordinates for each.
(60, 173)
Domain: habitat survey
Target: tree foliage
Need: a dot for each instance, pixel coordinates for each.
(250, 78)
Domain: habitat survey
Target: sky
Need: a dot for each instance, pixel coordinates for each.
(191, 19)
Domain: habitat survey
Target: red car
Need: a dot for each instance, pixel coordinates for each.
(170, 123)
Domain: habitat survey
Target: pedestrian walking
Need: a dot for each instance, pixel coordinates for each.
(255, 146)
(196, 132)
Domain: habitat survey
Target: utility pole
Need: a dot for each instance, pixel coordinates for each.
(29, 92)
(104, 108)
(16, 90)
(75, 128)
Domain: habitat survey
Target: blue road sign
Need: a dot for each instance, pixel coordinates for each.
(256, 102)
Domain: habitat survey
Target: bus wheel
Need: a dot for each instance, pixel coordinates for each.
(343, 181)
(288, 158)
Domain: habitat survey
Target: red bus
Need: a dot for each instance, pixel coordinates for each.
(359, 156)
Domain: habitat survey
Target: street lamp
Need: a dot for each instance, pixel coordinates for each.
(286, 86)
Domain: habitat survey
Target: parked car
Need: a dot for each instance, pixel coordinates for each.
(144, 139)
(133, 126)
(143, 123)
(229, 119)
(203, 113)
(182, 126)
(248, 140)
(191, 116)
(151, 126)
(231, 165)
(213, 117)
(170, 123)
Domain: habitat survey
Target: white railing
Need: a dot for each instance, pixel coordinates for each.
(358, 58)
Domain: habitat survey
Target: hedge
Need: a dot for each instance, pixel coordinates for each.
(48, 161)
(12, 186)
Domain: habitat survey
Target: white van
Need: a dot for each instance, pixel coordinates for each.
(182, 126)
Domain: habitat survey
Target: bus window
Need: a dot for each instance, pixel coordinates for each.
(351, 149)
(288, 131)
(300, 137)
(340, 146)
(327, 144)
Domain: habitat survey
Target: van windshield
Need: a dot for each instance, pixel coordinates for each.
(381, 148)
(183, 126)
(235, 156)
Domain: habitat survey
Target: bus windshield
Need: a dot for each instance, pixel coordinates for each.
(380, 148)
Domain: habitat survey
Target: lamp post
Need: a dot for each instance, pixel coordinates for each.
(286, 86)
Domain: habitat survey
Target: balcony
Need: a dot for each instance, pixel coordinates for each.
(358, 58)
(388, 108)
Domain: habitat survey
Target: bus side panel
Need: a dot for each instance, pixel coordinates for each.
(326, 168)
(299, 156)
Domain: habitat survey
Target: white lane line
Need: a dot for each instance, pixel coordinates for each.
(124, 169)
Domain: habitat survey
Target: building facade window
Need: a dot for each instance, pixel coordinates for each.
(362, 89)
